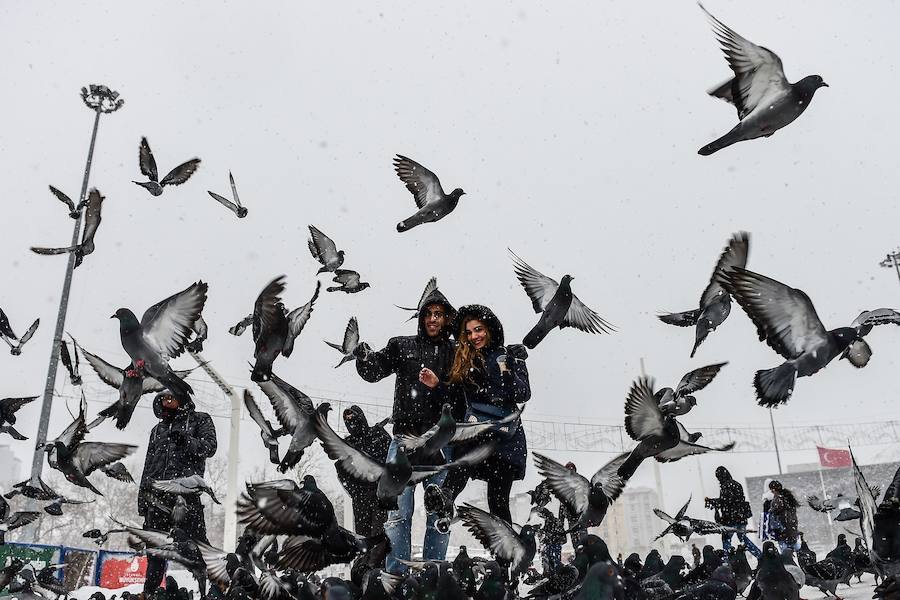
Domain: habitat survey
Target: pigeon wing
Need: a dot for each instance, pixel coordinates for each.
(734, 255)
(870, 318)
(215, 564)
(90, 456)
(293, 408)
(13, 404)
(494, 533)
(567, 485)
(30, 332)
(223, 201)
(91, 220)
(759, 74)
(608, 478)
(585, 319)
(66, 358)
(346, 277)
(108, 374)
(5, 329)
(664, 516)
(266, 310)
(272, 587)
(241, 326)
(686, 448)
(697, 379)
(63, 198)
(784, 317)
(422, 183)
(642, 415)
(357, 464)
(297, 319)
(52, 251)
(234, 192)
(538, 286)
(683, 510)
(430, 287)
(322, 248)
(351, 335)
(256, 413)
(146, 161)
(167, 325)
(181, 173)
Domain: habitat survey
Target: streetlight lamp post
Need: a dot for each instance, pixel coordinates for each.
(892, 260)
(101, 100)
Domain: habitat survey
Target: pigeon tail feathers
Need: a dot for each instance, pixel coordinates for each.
(774, 386)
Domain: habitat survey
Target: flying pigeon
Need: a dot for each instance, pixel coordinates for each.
(764, 99)
(589, 500)
(185, 486)
(54, 508)
(680, 401)
(33, 488)
(73, 209)
(349, 282)
(683, 527)
(715, 303)
(500, 539)
(176, 176)
(659, 436)
(351, 341)
(274, 328)
(13, 520)
(295, 412)
(16, 349)
(432, 202)
(235, 206)
(448, 431)
(430, 287)
(77, 459)
(324, 250)
(556, 304)
(859, 352)
(91, 223)
(8, 409)
(161, 334)
(241, 326)
(118, 472)
(786, 319)
(71, 367)
(266, 431)
(176, 546)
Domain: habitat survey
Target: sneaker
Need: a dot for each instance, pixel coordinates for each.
(435, 500)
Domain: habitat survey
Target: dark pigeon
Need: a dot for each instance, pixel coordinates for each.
(764, 99)
(161, 335)
(13, 520)
(295, 413)
(274, 328)
(349, 282)
(8, 409)
(589, 500)
(786, 319)
(430, 288)
(556, 304)
(448, 431)
(266, 431)
(715, 303)
(176, 176)
(680, 401)
(235, 207)
(683, 527)
(191, 485)
(721, 585)
(176, 546)
(431, 201)
(91, 223)
(6, 331)
(772, 579)
(16, 349)
(71, 367)
(241, 326)
(55, 506)
(118, 472)
(73, 209)
(349, 343)
(500, 539)
(324, 250)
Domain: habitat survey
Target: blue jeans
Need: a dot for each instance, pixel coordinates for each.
(398, 527)
(552, 557)
(742, 536)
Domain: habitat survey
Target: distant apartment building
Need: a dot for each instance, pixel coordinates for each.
(630, 524)
(11, 472)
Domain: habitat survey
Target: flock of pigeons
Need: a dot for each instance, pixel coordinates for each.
(291, 530)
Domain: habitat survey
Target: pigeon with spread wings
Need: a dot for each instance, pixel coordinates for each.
(556, 304)
(91, 223)
(324, 250)
(16, 349)
(349, 282)
(432, 202)
(764, 99)
(715, 302)
(235, 207)
(176, 176)
(430, 287)
(348, 346)
(295, 412)
(8, 409)
(274, 328)
(680, 401)
(500, 539)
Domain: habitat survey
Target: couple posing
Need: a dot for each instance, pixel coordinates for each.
(481, 379)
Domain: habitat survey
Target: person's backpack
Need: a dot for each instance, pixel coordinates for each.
(746, 510)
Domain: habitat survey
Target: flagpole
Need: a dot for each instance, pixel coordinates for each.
(775, 440)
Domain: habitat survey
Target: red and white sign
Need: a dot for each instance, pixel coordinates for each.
(834, 459)
(117, 573)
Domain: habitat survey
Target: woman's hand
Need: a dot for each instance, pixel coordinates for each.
(428, 377)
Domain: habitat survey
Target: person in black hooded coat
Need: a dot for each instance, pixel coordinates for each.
(368, 519)
(179, 446)
(491, 380)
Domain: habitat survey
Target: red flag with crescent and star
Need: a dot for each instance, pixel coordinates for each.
(833, 459)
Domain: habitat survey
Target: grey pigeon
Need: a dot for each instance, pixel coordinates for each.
(431, 201)
(118, 472)
(274, 328)
(77, 459)
(16, 349)
(71, 367)
(772, 579)
(161, 334)
(764, 99)
(683, 526)
(55, 506)
(185, 486)
(349, 344)
(430, 287)
(500, 539)
(33, 488)
(235, 207)
(8, 409)
(62, 197)
(349, 282)
(91, 223)
(589, 500)
(295, 412)
(448, 431)
(13, 520)
(176, 546)
(324, 250)
(659, 436)
(266, 431)
(241, 326)
(680, 401)
(786, 319)
(721, 585)
(859, 352)
(391, 477)
(556, 304)
(715, 303)
(176, 176)
(602, 582)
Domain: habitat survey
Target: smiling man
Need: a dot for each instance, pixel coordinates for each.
(416, 409)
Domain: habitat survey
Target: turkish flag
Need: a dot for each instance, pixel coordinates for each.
(833, 459)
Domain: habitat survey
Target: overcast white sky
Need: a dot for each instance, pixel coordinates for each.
(573, 129)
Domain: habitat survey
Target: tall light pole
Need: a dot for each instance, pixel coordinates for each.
(775, 441)
(101, 100)
(892, 260)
